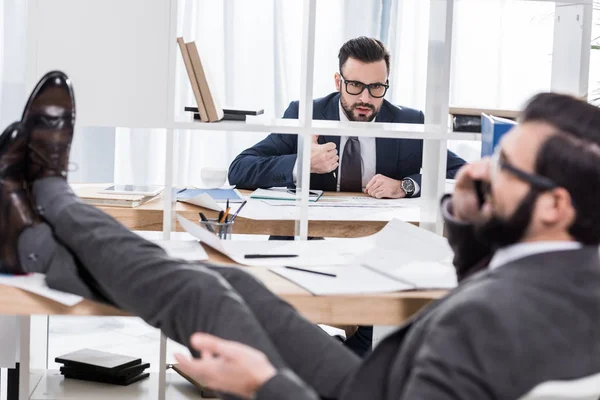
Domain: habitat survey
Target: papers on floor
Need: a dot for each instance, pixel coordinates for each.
(36, 283)
(213, 199)
(283, 194)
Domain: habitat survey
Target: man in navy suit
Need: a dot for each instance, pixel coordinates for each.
(381, 167)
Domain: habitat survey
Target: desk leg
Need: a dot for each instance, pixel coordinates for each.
(162, 368)
(380, 332)
(12, 383)
(24, 353)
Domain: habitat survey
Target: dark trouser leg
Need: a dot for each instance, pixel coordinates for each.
(361, 342)
(139, 277)
(317, 358)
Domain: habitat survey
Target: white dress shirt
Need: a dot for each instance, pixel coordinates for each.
(521, 250)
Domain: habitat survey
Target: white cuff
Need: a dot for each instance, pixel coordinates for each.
(295, 171)
(417, 187)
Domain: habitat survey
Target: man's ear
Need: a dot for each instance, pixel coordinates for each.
(556, 207)
(338, 81)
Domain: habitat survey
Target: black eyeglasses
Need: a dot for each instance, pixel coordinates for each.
(499, 162)
(377, 90)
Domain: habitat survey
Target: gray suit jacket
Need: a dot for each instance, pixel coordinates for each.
(496, 336)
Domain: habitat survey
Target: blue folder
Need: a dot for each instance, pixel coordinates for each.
(218, 195)
(492, 130)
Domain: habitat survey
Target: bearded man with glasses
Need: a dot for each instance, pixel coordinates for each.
(379, 167)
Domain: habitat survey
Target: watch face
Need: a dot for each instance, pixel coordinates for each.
(408, 186)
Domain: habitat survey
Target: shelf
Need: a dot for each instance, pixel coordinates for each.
(331, 128)
(51, 384)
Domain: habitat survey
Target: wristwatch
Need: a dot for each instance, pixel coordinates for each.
(408, 186)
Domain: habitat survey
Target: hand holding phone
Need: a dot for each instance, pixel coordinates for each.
(470, 192)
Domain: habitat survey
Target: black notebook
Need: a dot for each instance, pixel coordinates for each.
(128, 372)
(231, 111)
(105, 379)
(99, 361)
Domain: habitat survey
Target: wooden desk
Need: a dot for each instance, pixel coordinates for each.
(380, 309)
(149, 217)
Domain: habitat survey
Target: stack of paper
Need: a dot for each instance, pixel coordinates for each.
(91, 194)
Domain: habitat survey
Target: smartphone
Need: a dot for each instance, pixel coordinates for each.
(480, 189)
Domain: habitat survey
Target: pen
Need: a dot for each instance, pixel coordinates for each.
(312, 271)
(238, 211)
(204, 219)
(270, 255)
(224, 217)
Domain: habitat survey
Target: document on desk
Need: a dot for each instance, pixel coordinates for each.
(351, 201)
(307, 252)
(404, 257)
(349, 279)
(36, 283)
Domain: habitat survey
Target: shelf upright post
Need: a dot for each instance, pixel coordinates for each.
(305, 115)
(571, 48)
(436, 112)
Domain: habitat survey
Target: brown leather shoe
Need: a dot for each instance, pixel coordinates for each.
(16, 212)
(49, 117)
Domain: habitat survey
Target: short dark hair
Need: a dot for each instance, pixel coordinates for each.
(364, 49)
(571, 157)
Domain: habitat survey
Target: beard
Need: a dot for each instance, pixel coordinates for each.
(501, 232)
(349, 110)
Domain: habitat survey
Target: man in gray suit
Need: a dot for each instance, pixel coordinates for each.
(527, 316)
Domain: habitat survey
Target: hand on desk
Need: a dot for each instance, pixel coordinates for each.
(226, 366)
(323, 157)
(383, 187)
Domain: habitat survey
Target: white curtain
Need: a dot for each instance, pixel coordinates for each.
(501, 56)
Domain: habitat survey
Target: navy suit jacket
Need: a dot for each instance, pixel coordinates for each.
(271, 162)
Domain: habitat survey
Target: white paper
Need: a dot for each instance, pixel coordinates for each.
(421, 275)
(350, 279)
(204, 200)
(282, 194)
(260, 210)
(350, 201)
(190, 250)
(310, 252)
(36, 283)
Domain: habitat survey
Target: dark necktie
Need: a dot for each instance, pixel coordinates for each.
(351, 177)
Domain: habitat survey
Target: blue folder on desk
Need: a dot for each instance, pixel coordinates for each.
(492, 130)
(218, 195)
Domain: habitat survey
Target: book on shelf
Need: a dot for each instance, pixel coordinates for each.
(201, 109)
(492, 130)
(203, 84)
(90, 194)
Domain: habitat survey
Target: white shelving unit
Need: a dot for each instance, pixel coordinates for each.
(113, 61)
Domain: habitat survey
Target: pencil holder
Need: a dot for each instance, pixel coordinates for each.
(222, 230)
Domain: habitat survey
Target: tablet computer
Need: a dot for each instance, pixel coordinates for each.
(146, 190)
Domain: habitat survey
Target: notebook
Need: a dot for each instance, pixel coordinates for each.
(283, 194)
(99, 361)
